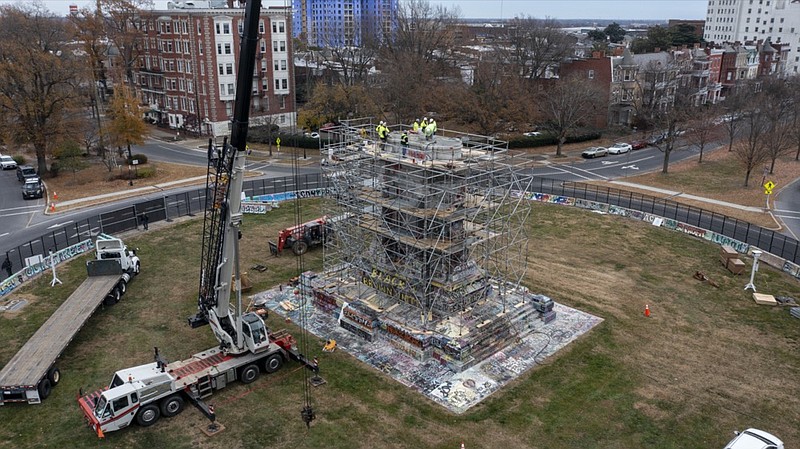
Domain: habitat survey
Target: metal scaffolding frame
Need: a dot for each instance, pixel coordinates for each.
(438, 224)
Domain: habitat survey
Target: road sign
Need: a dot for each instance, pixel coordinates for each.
(768, 186)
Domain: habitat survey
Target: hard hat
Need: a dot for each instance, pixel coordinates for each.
(424, 118)
(416, 120)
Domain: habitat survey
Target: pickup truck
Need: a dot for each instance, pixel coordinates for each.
(754, 439)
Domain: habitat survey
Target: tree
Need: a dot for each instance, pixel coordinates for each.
(614, 32)
(568, 104)
(794, 113)
(122, 30)
(70, 157)
(334, 103)
(754, 147)
(683, 34)
(702, 128)
(667, 103)
(39, 79)
(597, 35)
(657, 37)
(731, 120)
(533, 47)
(776, 104)
(126, 127)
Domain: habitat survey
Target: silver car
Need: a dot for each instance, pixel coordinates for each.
(593, 152)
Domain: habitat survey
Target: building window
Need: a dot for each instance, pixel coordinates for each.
(219, 49)
(274, 45)
(221, 69)
(240, 27)
(263, 46)
(285, 83)
(283, 64)
(283, 45)
(277, 84)
(190, 86)
(263, 65)
(283, 101)
(229, 68)
(199, 28)
(226, 28)
(261, 27)
(227, 49)
(200, 48)
(275, 64)
(231, 90)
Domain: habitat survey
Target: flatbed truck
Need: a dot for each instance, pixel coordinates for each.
(32, 372)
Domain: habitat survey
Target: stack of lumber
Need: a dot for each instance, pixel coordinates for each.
(730, 258)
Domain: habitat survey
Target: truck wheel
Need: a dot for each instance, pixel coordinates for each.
(172, 405)
(112, 298)
(299, 248)
(45, 388)
(136, 269)
(273, 363)
(122, 286)
(249, 374)
(148, 415)
(54, 376)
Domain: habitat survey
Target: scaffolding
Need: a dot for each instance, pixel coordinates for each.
(429, 240)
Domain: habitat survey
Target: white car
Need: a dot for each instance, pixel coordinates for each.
(532, 134)
(8, 163)
(754, 439)
(619, 148)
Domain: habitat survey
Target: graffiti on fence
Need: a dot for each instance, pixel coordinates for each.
(692, 230)
(255, 208)
(18, 278)
(791, 268)
(553, 199)
(286, 196)
(591, 205)
(738, 245)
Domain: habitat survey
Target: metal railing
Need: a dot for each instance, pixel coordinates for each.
(192, 202)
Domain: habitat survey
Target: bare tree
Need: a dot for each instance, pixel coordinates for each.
(776, 104)
(533, 47)
(703, 128)
(731, 107)
(794, 113)
(39, 79)
(424, 31)
(122, 29)
(668, 103)
(568, 104)
(753, 148)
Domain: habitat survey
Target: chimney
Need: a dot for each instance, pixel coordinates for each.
(600, 54)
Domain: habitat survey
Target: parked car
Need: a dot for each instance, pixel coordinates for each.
(24, 172)
(657, 138)
(619, 148)
(754, 439)
(8, 162)
(639, 144)
(312, 135)
(532, 134)
(593, 152)
(32, 188)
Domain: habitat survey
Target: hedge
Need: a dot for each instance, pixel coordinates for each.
(549, 139)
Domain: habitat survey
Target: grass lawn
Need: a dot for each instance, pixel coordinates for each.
(706, 362)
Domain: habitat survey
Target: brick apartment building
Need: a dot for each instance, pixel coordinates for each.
(187, 72)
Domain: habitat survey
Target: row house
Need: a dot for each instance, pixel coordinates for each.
(186, 74)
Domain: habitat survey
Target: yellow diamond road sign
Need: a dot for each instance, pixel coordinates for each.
(768, 186)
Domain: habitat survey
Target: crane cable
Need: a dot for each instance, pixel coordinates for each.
(307, 413)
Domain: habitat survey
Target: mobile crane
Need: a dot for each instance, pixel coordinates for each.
(246, 346)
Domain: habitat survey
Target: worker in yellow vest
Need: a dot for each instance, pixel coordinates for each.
(415, 127)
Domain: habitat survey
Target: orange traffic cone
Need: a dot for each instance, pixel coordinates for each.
(55, 195)
(647, 310)
(52, 207)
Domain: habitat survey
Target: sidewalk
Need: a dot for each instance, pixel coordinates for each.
(672, 194)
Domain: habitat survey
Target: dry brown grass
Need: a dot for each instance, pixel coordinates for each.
(97, 180)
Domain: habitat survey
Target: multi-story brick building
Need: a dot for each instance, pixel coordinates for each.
(187, 72)
(729, 21)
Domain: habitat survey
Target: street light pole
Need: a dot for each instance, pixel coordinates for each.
(751, 285)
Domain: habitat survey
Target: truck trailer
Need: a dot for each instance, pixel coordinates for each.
(33, 371)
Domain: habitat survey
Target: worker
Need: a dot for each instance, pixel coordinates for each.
(429, 130)
(415, 126)
(404, 142)
(435, 127)
(383, 134)
(7, 266)
(423, 124)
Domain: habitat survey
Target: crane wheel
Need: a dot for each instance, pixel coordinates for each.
(299, 248)
(273, 363)
(249, 374)
(54, 376)
(148, 415)
(172, 405)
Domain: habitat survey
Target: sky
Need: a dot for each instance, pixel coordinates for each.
(506, 9)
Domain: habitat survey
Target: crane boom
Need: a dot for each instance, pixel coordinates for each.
(223, 216)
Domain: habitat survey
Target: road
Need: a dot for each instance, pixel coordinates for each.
(21, 220)
(787, 208)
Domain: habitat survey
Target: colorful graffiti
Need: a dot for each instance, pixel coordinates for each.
(552, 199)
(31, 271)
(255, 208)
(286, 196)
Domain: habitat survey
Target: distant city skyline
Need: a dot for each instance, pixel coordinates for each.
(506, 9)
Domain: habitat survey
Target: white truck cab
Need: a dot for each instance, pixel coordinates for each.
(108, 247)
(754, 439)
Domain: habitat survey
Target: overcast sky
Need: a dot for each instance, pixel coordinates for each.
(558, 9)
